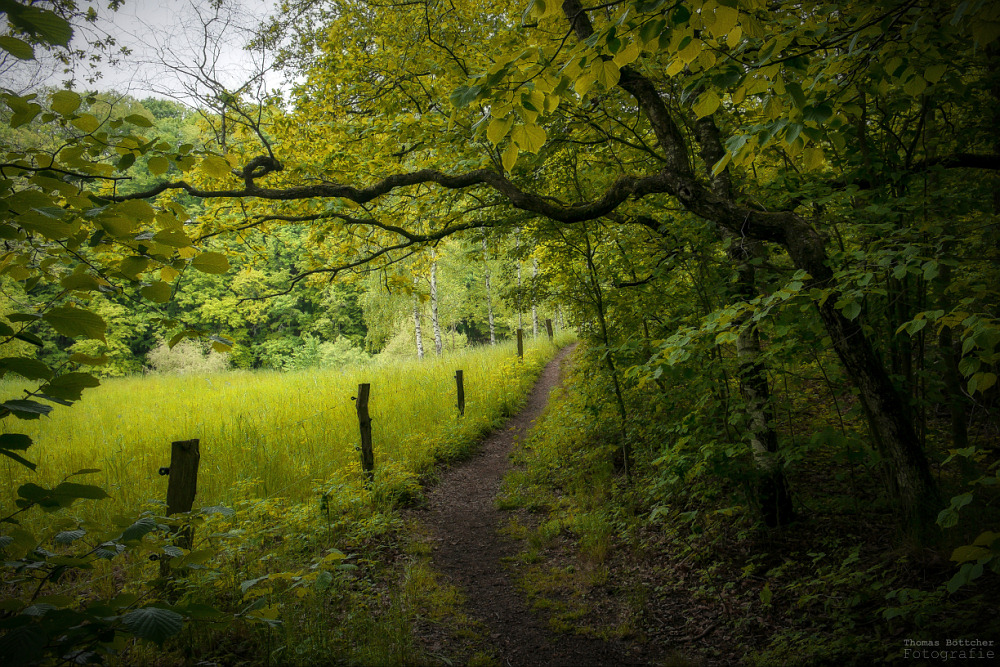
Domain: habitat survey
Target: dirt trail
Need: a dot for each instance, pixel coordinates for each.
(468, 550)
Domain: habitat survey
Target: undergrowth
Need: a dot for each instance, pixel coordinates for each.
(693, 570)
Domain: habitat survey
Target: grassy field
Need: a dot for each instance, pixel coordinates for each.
(268, 434)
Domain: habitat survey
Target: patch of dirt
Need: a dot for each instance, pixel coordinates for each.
(469, 550)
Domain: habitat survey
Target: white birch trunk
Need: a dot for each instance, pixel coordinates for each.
(517, 246)
(534, 307)
(438, 345)
(416, 323)
(489, 296)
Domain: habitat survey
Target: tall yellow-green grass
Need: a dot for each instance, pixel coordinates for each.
(268, 434)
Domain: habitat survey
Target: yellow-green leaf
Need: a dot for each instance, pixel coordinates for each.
(76, 322)
(215, 166)
(509, 157)
(707, 103)
(934, 73)
(211, 262)
(158, 165)
(812, 158)
(498, 129)
(627, 55)
(65, 102)
(158, 292)
(725, 20)
(530, 138)
(606, 72)
(86, 123)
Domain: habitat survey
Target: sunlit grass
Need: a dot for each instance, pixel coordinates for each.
(267, 434)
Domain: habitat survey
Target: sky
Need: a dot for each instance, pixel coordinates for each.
(168, 47)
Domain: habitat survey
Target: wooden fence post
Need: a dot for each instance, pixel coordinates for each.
(182, 486)
(461, 393)
(365, 422)
(520, 344)
(548, 328)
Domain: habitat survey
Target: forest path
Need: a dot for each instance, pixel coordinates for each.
(469, 551)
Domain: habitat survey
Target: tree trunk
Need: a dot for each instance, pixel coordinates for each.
(772, 487)
(416, 324)
(489, 295)
(438, 344)
(517, 248)
(534, 307)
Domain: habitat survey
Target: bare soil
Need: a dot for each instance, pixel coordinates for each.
(472, 554)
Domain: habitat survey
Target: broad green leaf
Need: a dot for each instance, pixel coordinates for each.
(132, 267)
(137, 530)
(215, 166)
(158, 165)
(86, 123)
(32, 369)
(509, 157)
(498, 129)
(69, 386)
(211, 262)
(153, 623)
(45, 24)
(529, 138)
(138, 120)
(627, 55)
(17, 48)
(707, 103)
(852, 310)
(80, 358)
(158, 292)
(606, 73)
(934, 73)
(725, 20)
(15, 441)
(812, 158)
(23, 409)
(65, 102)
(76, 322)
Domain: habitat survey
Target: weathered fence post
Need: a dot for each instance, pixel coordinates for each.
(365, 422)
(181, 489)
(520, 344)
(548, 328)
(461, 393)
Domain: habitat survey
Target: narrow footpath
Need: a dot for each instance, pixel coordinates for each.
(469, 552)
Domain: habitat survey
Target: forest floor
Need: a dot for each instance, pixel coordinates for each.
(471, 545)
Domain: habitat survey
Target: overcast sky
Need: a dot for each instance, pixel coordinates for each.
(168, 45)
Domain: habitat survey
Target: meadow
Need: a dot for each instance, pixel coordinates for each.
(269, 434)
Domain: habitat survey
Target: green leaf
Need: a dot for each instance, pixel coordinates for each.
(795, 90)
(27, 409)
(70, 386)
(137, 530)
(69, 536)
(42, 23)
(158, 292)
(606, 73)
(86, 123)
(215, 166)
(76, 322)
(32, 369)
(852, 310)
(465, 95)
(707, 103)
(65, 102)
(509, 157)
(138, 120)
(529, 138)
(17, 48)
(498, 129)
(211, 262)
(14, 441)
(158, 165)
(153, 623)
